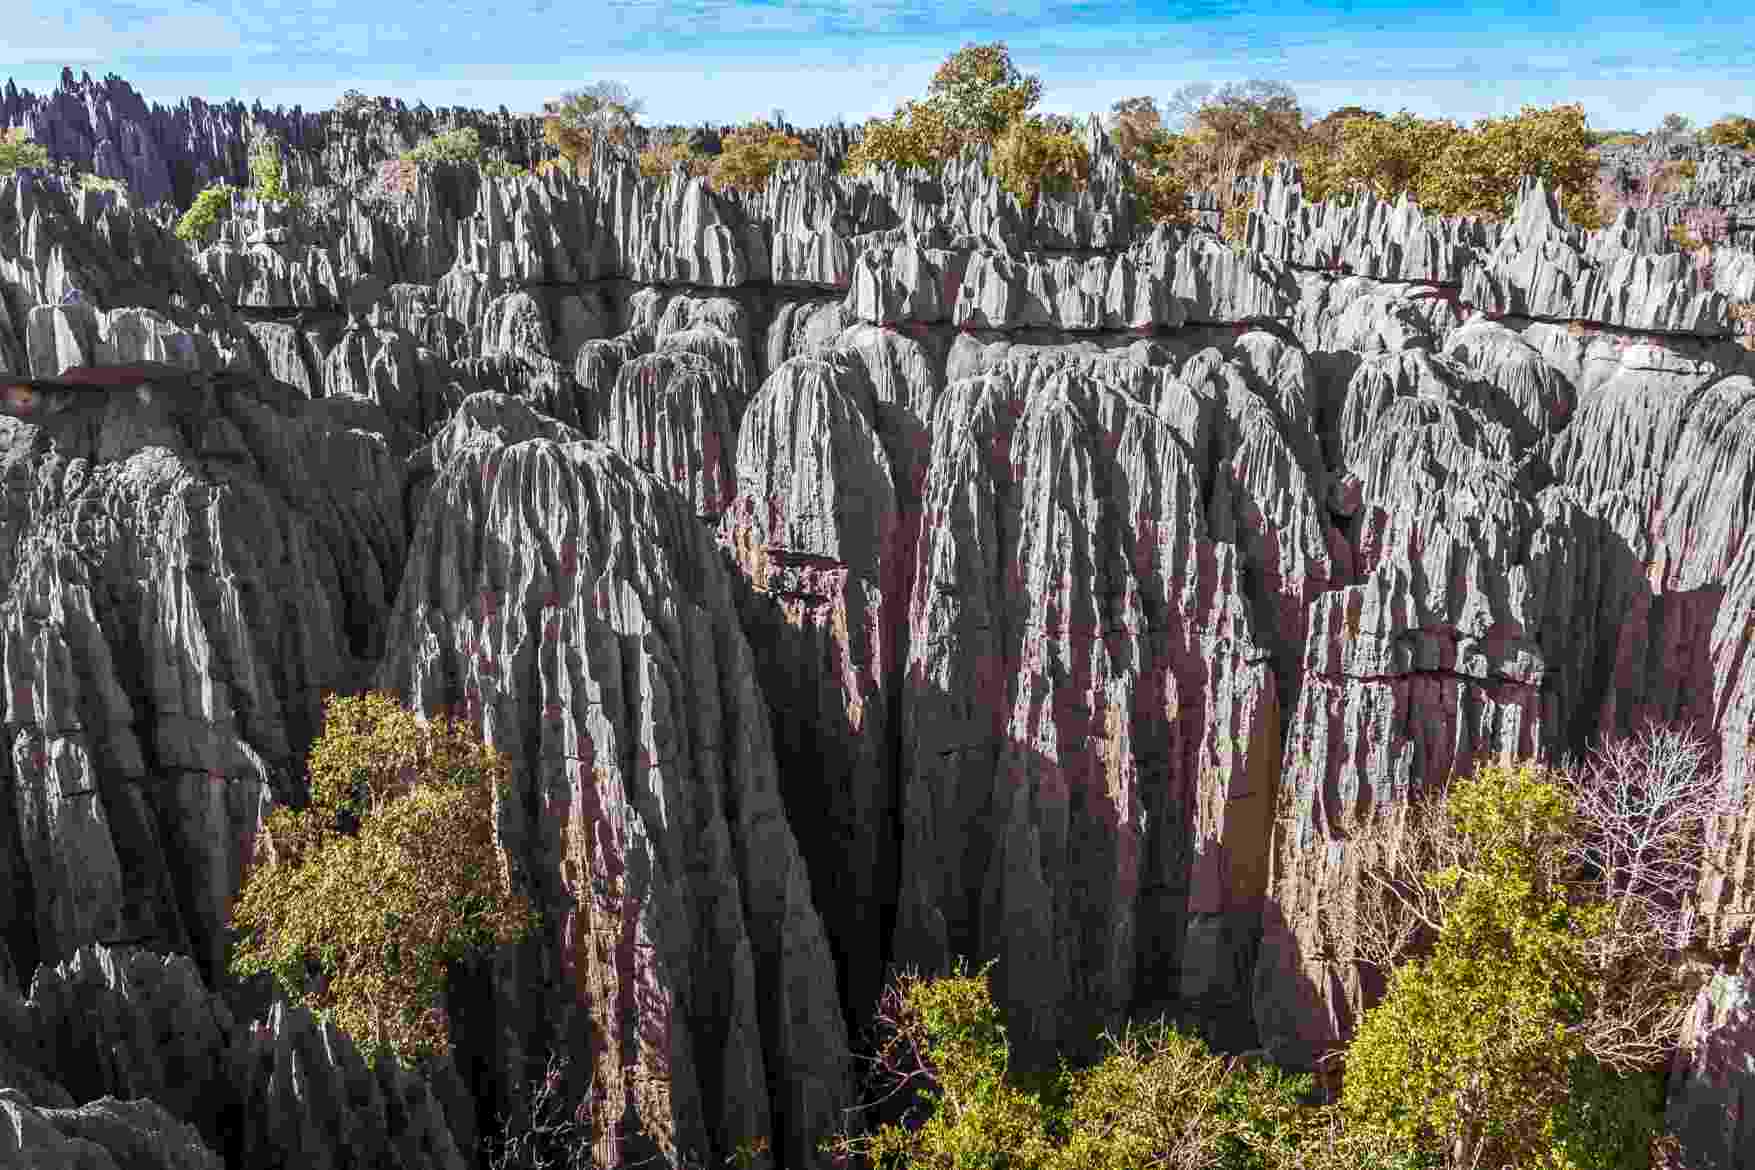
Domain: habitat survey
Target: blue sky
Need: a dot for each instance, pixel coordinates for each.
(696, 60)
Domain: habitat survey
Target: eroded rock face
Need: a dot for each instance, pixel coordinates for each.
(860, 571)
(171, 1077)
(575, 605)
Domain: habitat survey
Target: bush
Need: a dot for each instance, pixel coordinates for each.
(1485, 1050)
(918, 136)
(1732, 130)
(1479, 171)
(359, 902)
(1030, 158)
(459, 146)
(496, 169)
(267, 175)
(660, 158)
(17, 151)
(1453, 171)
(209, 206)
(750, 155)
(91, 182)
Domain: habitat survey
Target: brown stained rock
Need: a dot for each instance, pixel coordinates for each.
(577, 608)
(1089, 727)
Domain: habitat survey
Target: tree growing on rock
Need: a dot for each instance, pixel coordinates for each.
(210, 205)
(1158, 184)
(918, 136)
(359, 902)
(604, 110)
(659, 158)
(1030, 158)
(1531, 1004)
(462, 145)
(981, 91)
(974, 95)
(750, 154)
(17, 151)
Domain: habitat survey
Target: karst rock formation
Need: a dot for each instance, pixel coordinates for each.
(860, 572)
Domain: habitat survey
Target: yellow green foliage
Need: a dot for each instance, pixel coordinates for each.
(1477, 1054)
(749, 155)
(267, 176)
(1158, 1098)
(18, 151)
(917, 136)
(658, 159)
(1234, 223)
(981, 92)
(1385, 155)
(1731, 130)
(1479, 171)
(462, 145)
(213, 202)
(1029, 159)
(91, 182)
(496, 169)
(359, 902)
(1455, 171)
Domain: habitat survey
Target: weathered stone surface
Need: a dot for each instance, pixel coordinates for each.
(1080, 587)
(184, 569)
(198, 1083)
(816, 530)
(576, 606)
(1089, 729)
(1712, 1080)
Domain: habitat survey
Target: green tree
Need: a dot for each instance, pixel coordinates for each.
(359, 902)
(980, 91)
(18, 151)
(1030, 158)
(918, 136)
(462, 145)
(213, 202)
(750, 154)
(1478, 172)
(267, 175)
(1479, 1054)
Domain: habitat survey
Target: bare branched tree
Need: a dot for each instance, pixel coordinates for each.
(1397, 909)
(1645, 805)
